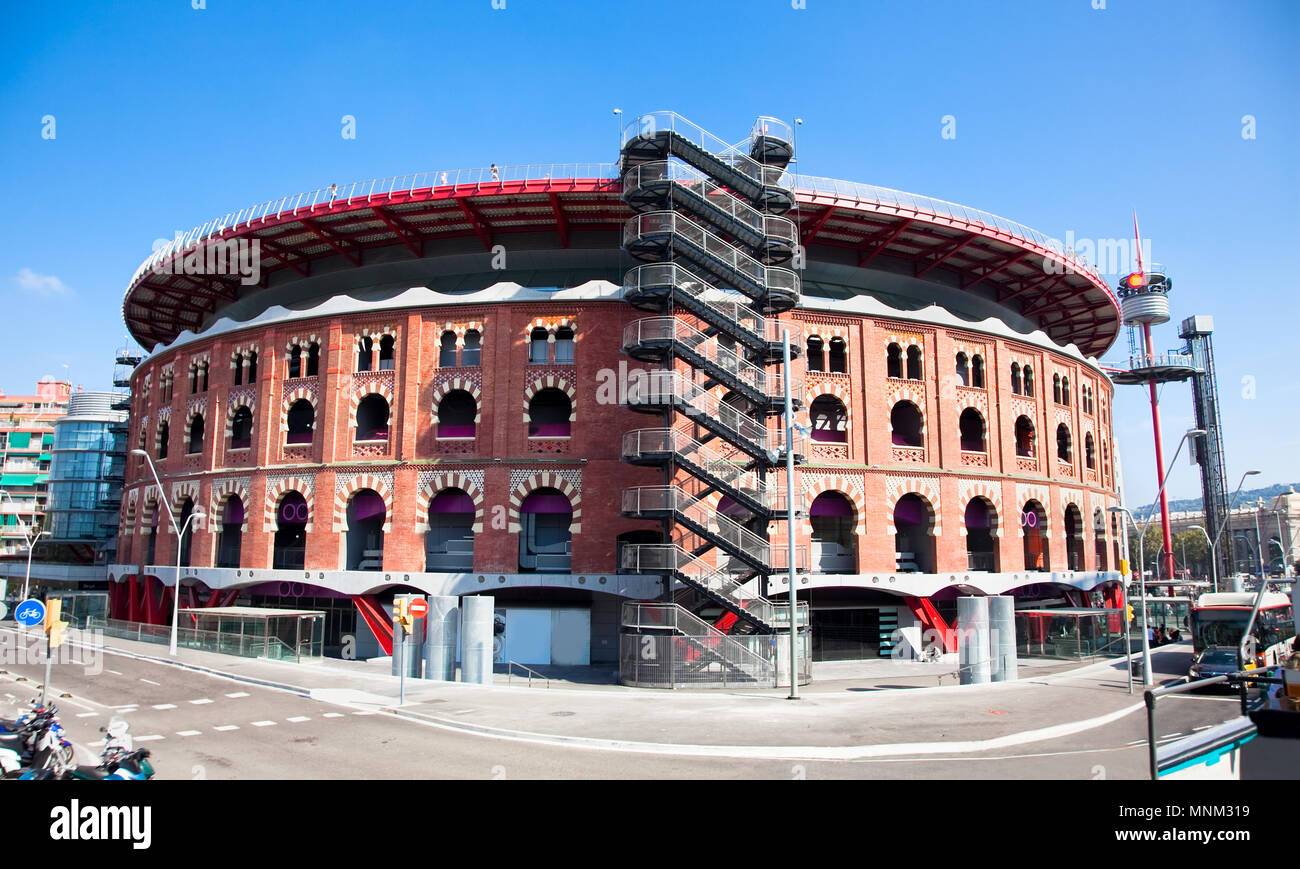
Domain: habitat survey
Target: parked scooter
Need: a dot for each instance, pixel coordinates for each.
(21, 736)
(119, 761)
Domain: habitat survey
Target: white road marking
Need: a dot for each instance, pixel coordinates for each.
(150, 681)
(164, 706)
(363, 712)
(263, 723)
(200, 702)
(332, 715)
(189, 732)
(1169, 735)
(150, 738)
(225, 727)
(298, 719)
(130, 706)
(238, 694)
(96, 744)
(86, 714)
(114, 672)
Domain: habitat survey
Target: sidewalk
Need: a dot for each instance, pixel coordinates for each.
(854, 709)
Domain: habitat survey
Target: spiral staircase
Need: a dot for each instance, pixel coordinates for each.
(714, 250)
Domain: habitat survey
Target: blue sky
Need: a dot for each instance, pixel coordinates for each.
(1067, 118)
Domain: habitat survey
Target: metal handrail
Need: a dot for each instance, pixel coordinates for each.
(708, 347)
(689, 625)
(722, 301)
(670, 386)
(732, 258)
(735, 156)
(694, 181)
(643, 498)
(531, 673)
(661, 440)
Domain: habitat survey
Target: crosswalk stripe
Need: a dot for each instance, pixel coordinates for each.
(164, 706)
(225, 727)
(189, 732)
(263, 723)
(298, 719)
(238, 694)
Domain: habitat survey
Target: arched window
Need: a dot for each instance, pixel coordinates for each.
(816, 360)
(829, 420)
(313, 359)
(564, 339)
(372, 418)
(290, 545)
(241, 429)
(231, 533)
(456, 412)
(1089, 459)
(1029, 381)
(1073, 538)
(1015, 378)
(544, 536)
(164, 435)
(1063, 443)
(239, 369)
(365, 535)
(447, 350)
(913, 535)
(977, 371)
(196, 435)
(906, 423)
(365, 353)
(1065, 391)
(834, 545)
(913, 363)
(295, 361)
(894, 361)
(187, 532)
(152, 548)
(203, 373)
(1099, 538)
(537, 349)
(1024, 437)
(839, 357)
(252, 366)
(548, 414)
(194, 379)
(449, 542)
(981, 521)
(301, 422)
(1056, 388)
(387, 347)
(473, 348)
(963, 370)
(1034, 519)
(972, 431)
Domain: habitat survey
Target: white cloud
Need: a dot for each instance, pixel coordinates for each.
(40, 285)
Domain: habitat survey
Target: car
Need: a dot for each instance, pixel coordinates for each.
(1215, 661)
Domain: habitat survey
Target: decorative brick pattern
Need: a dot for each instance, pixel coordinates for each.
(433, 482)
(551, 381)
(221, 491)
(926, 487)
(451, 384)
(345, 486)
(991, 491)
(531, 481)
(277, 486)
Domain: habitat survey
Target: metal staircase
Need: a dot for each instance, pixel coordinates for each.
(714, 249)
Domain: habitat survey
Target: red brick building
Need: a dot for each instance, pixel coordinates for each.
(425, 391)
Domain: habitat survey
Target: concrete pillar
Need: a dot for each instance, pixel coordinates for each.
(973, 640)
(440, 643)
(477, 616)
(1002, 637)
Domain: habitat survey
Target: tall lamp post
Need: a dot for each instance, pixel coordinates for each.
(31, 546)
(1142, 571)
(1214, 568)
(197, 517)
(1227, 521)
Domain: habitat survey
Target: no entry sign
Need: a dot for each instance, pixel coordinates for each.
(419, 608)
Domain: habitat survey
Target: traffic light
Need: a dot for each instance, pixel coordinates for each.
(54, 626)
(1130, 613)
(401, 609)
(1123, 566)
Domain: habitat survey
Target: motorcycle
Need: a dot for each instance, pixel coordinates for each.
(119, 761)
(20, 737)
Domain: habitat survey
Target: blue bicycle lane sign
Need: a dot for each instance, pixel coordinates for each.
(30, 613)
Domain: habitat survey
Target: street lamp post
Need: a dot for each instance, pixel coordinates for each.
(1283, 551)
(196, 517)
(1259, 542)
(1142, 572)
(1214, 567)
(31, 546)
(1227, 522)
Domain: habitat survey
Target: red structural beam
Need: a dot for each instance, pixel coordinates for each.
(811, 233)
(475, 223)
(335, 241)
(961, 243)
(561, 221)
(402, 232)
(862, 261)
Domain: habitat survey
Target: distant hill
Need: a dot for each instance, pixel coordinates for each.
(1194, 504)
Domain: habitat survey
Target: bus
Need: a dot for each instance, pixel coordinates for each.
(1219, 619)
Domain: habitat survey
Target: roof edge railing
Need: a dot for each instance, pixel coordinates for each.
(405, 185)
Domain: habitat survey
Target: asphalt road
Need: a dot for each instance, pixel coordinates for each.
(202, 726)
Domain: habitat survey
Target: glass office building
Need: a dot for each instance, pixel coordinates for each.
(88, 460)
